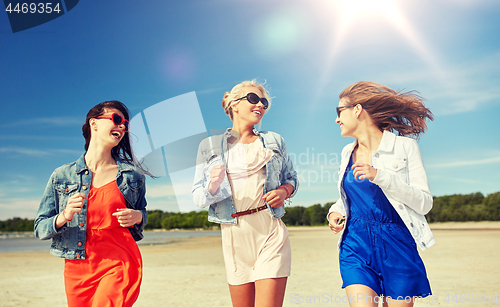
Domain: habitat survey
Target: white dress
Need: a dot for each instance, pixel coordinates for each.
(258, 246)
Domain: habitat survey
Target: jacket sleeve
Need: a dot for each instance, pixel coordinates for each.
(141, 206)
(416, 194)
(288, 172)
(45, 220)
(339, 206)
(201, 196)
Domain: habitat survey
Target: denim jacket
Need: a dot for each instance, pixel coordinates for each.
(69, 240)
(214, 151)
(402, 178)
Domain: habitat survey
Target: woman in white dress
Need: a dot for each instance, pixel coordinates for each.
(244, 176)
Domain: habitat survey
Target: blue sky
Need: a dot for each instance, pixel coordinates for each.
(143, 53)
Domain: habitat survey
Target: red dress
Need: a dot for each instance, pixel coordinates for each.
(111, 274)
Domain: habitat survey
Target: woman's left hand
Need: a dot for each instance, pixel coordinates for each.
(364, 171)
(275, 198)
(128, 217)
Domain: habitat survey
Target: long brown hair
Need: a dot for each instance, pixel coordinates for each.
(403, 112)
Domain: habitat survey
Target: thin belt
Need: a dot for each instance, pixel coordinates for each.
(249, 211)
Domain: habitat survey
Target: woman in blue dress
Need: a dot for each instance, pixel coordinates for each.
(384, 195)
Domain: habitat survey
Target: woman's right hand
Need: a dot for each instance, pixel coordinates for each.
(74, 205)
(217, 175)
(333, 222)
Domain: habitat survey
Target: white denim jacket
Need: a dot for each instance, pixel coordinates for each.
(402, 178)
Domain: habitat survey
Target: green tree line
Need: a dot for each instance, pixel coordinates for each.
(158, 219)
(458, 207)
(470, 207)
(16, 224)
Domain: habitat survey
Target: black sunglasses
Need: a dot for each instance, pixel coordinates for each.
(117, 120)
(255, 99)
(339, 109)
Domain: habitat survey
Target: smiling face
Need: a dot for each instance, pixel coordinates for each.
(347, 118)
(105, 130)
(247, 112)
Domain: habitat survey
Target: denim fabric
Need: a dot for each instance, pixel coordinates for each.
(401, 176)
(69, 240)
(213, 151)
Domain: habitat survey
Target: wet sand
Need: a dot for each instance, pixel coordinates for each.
(463, 267)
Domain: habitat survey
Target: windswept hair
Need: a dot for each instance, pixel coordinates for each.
(403, 112)
(236, 93)
(123, 150)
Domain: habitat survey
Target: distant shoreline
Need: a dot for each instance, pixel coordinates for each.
(469, 225)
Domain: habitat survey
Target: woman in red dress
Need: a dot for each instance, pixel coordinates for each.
(94, 210)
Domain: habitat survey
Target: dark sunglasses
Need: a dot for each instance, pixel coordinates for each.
(255, 99)
(117, 120)
(340, 109)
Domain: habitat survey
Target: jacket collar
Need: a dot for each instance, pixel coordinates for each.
(386, 144)
(122, 165)
(228, 132)
(82, 166)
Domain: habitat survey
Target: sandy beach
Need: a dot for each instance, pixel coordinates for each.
(463, 268)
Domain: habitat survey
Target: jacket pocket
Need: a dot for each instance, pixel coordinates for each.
(213, 160)
(131, 191)
(64, 191)
(134, 184)
(397, 166)
(212, 157)
(277, 160)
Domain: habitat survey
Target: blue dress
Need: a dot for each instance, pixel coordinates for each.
(377, 249)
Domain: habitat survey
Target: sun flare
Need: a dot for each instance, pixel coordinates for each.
(352, 18)
(371, 13)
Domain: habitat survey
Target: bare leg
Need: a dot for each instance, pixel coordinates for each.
(361, 296)
(243, 295)
(398, 303)
(270, 292)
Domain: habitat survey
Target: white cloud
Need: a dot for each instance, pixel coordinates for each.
(468, 3)
(18, 207)
(39, 138)
(459, 89)
(49, 121)
(210, 91)
(37, 152)
(467, 162)
(24, 151)
(157, 191)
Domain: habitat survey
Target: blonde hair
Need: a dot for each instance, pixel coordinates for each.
(236, 92)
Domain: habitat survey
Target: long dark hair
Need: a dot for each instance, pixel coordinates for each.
(403, 112)
(123, 150)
